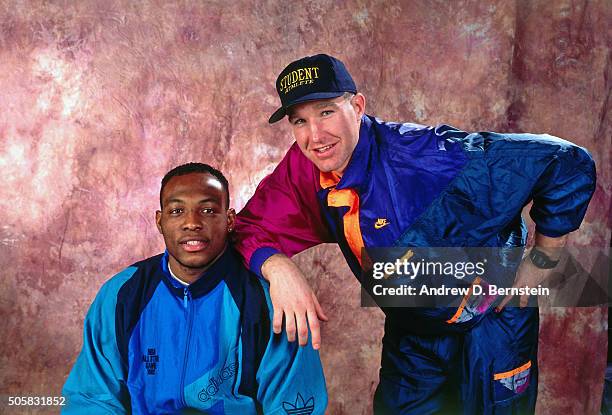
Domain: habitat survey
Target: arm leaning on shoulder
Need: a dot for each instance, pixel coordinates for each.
(96, 384)
(281, 219)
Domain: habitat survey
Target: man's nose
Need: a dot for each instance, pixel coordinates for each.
(192, 220)
(315, 132)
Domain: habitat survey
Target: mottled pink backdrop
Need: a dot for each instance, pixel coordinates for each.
(98, 99)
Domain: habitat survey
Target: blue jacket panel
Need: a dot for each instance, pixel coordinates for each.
(154, 346)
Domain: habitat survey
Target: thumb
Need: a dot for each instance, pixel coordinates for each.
(320, 313)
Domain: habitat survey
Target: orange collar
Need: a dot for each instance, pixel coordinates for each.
(329, 179)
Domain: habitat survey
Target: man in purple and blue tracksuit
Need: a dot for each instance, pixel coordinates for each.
(355, 180)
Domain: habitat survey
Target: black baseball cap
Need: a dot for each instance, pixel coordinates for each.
(310, 78)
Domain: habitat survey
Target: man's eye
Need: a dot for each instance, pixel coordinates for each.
(326, 112)
(298, 121)
(175, 211)
(208, 211)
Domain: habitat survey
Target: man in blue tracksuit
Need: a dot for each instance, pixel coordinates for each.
(363, 183)
(188, 331)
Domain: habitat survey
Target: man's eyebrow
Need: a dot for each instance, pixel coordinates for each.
(175, 200)
(205, 200)
(209, 199)
(323, 104)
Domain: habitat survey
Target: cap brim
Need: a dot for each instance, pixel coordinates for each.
(282, 111)
(278, 115)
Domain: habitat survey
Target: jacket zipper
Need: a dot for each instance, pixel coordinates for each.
(187, 305)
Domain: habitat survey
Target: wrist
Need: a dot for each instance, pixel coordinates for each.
(550, 247)
(269, 265)
(541, 258)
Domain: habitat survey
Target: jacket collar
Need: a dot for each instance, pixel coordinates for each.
(207, 281)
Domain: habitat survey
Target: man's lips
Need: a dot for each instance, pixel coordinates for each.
(193, 244)
(324, 151)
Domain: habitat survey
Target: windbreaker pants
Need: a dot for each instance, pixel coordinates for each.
(489, 370)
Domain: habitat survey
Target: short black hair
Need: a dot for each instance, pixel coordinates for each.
(193, 167)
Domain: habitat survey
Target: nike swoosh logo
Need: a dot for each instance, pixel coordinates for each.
(380, 223)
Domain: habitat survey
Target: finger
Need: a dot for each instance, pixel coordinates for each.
(505, 301)
(290, 325)
(302, 329)
(524, 300)
(315, 328)
(277, 320)
(319, 309)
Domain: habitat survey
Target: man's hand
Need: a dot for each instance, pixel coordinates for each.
(292, 296)
(531, 276)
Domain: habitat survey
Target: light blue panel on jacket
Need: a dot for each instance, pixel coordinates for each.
(96, 384)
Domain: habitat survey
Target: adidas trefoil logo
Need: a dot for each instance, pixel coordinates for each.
(299, 407)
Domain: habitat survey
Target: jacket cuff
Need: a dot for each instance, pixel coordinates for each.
(554, 233)
(259, 257)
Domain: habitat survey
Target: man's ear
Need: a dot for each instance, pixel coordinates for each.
(231, 219)
(359, 102)
(158, 216)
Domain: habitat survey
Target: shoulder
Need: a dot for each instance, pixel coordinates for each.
(239, 279)
(127, 282)
(113, 285)
(101, 314)
(293, 171)
(247, 289)
(396, 138)
(392, 134)
(395, 128)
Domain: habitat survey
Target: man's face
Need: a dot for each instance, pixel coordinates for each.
(194, 221)
(327, 130)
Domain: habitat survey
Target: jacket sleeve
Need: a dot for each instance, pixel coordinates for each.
(96, 384)
(562, 193)
(283, 215)
(557, 175)
(290, 377)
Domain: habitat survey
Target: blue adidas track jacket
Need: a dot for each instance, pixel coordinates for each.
(152, 346)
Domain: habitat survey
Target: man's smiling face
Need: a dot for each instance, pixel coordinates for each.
(327, 130)
(194, 222)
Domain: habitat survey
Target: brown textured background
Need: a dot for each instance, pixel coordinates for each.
(98, 99)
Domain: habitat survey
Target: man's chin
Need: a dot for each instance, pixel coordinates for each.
(330, 166)
(194, 264)
(198, 262)
(326, 167)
